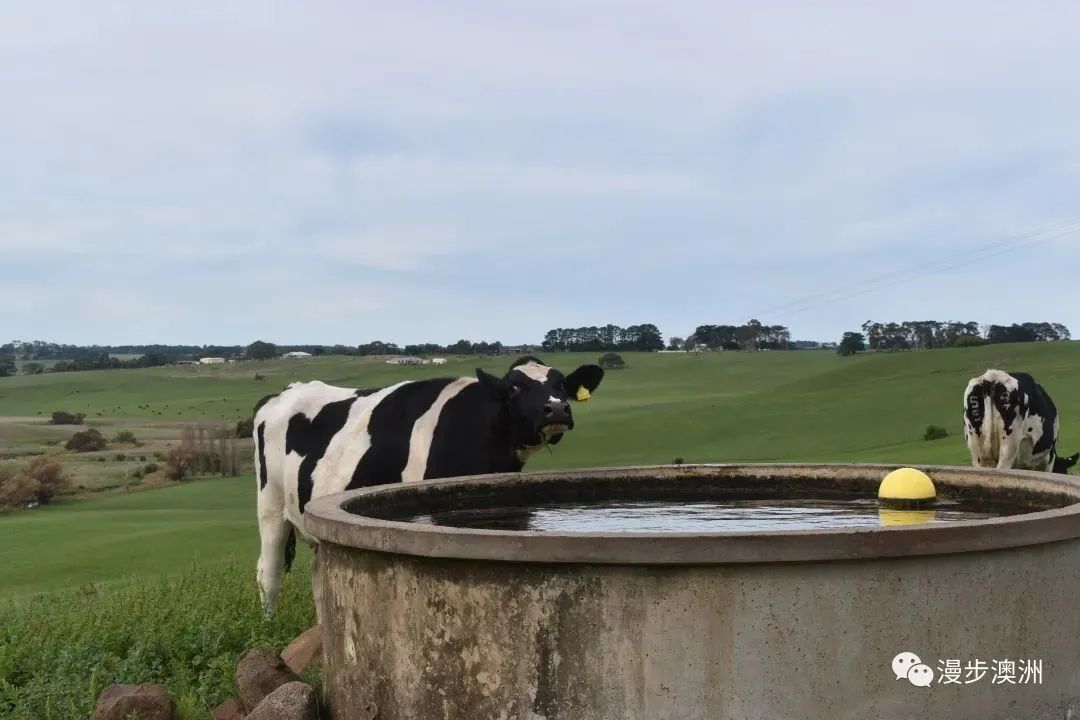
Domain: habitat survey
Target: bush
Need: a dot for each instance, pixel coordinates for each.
(121, 457)
(65, 418)
(970, 341)
(612, 361)
(86, 441)
(101, 459)
(150, 468)
(245, 428)
(126, 437)
(935, 432)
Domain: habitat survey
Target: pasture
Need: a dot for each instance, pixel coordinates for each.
(85, 584)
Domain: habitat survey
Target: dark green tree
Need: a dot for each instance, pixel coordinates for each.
(852, 343)
(260, 350)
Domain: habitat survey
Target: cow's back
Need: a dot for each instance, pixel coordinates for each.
(316, 439)
(292, 432)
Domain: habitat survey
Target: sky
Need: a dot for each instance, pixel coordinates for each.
(340, 172)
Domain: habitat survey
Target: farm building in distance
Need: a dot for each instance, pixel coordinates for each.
(211, 361)
(405, 361)
(438, 361)
(296, 355)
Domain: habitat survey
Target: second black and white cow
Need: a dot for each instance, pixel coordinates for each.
(1011, 422)
(315, 439)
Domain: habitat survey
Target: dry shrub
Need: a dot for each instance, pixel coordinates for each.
(179, 462)
(203, 450)
(39, 481)
(126, 437)
(155, 479)
(49, 476)
(18, 490)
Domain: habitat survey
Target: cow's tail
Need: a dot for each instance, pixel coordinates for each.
(290, 548)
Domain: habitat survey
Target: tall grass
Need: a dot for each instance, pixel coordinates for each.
(186, 631)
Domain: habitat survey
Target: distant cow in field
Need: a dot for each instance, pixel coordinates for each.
(315, 439)
(1011, 422)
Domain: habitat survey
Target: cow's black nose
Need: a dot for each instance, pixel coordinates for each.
(556, 411)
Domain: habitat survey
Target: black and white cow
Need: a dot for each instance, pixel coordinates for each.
(1011, 422)
(315, 439)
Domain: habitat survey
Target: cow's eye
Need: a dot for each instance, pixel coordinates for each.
(515, 388)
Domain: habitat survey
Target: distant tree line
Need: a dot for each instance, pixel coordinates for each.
(930, 334)
(608, 337)
(1028, 332)
(41, 350)
(752, 335)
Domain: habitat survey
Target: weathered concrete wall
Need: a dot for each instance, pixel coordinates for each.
(419, 638)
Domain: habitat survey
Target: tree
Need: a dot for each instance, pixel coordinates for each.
(852, 343)
(676, 343)
(378, 347)
(7, 367)
(90, 440)
(611, 361)
(260, 350)
(642, 338)
(749, 334)
(33, 368)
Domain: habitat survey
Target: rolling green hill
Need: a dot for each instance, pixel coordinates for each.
(721, 407)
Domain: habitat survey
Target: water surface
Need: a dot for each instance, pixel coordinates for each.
(697, 517)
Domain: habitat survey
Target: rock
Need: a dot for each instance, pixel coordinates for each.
(145, 702)
(292, 701)
(260, 672)
(305, 651)
(231, 709)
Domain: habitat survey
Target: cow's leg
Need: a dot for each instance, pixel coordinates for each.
(974, 443)
(1009, 451)
(274, 532)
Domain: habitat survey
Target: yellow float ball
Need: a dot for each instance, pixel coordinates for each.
(905, 517)
(906, 487)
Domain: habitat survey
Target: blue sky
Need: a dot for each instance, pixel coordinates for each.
(334, 172)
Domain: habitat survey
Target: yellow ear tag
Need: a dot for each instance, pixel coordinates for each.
(583, 394)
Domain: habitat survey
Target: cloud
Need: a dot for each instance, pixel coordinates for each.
(339, 171)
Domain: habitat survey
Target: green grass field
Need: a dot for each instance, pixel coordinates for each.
(155, 546)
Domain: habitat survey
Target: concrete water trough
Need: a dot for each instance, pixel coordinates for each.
(427, 620)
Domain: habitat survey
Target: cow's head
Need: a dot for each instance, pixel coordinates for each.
(538, 398)
(1062, 465)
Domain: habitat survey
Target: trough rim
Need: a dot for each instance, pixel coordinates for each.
(327, 521)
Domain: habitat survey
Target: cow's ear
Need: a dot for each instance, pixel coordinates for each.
(586, 376)
(493, 386)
